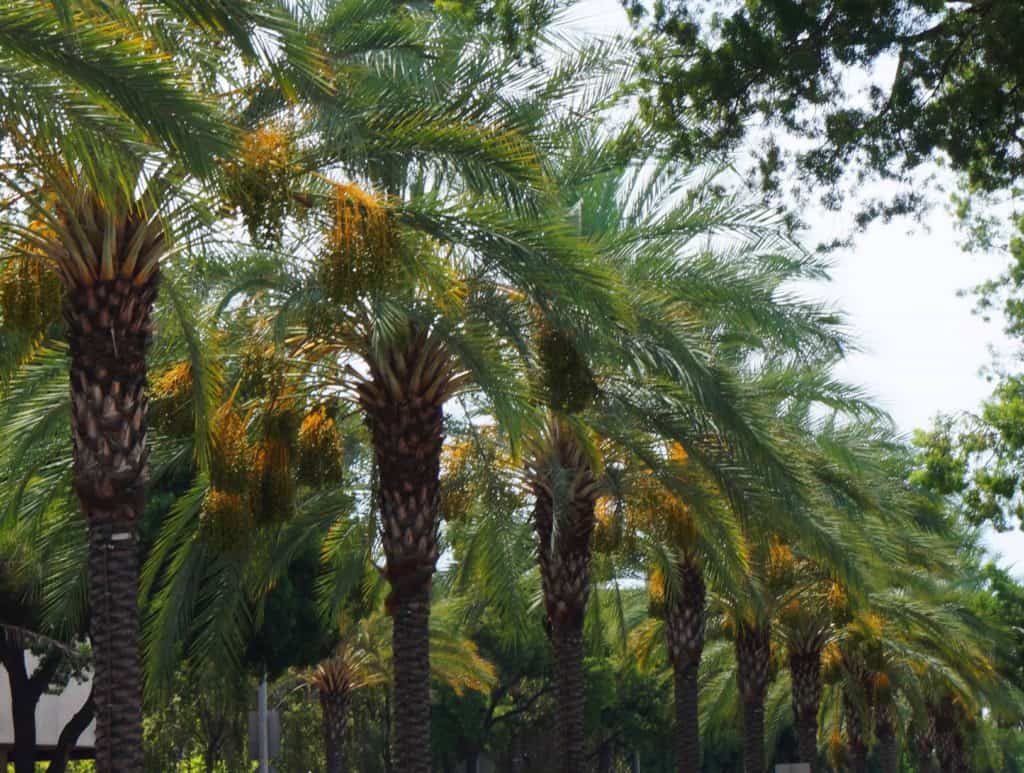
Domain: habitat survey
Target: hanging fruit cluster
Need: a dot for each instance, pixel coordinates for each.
(170, 401)
(263, 372)
(455, 498)
(321, 454)
(259, 181)
(227, 518)
(273, 492)
(567, 381)
(362, 250)
(30, 295)
(656, 603)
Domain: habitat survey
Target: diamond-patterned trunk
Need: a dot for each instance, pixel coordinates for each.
(923, 746)
(753, 658)
(885, 732)
(334, 707)
(805, 672)
(685, 623)
(403, 401)
(856, 733)
(109, 265)
(561, 473)
(949, 738)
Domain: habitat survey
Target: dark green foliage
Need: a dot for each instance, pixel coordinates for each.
(945, 79)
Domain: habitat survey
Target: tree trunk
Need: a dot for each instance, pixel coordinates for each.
(23, 710)
(856, 735)
(685, 622)
(634, 762)
(411, 646)
(753, 736)
(334, 707)
(605, 758)
(687, 718)
(107, 313)
(805, 669)
(70, 734)
(949, 739)
(885, 732)
(564, 556)
(114, 631)
(403, 401)
(753, 654)
(923, 748)
(473, 761)
(516, 760)
(568, 642)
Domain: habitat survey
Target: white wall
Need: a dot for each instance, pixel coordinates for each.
(52, 712)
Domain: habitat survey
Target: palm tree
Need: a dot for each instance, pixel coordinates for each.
(565, 488)
(363, 659)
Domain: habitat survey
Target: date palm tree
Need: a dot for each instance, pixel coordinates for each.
(363, 659)
(432, 244)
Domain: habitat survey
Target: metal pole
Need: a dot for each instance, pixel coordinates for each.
(262, 730)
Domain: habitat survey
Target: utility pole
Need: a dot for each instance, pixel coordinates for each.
(262, 728)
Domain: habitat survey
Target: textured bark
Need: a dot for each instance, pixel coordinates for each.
(23, 709)
(517, 762)
(805, 670)
(605, 758)
(410, 641)
(403, 401)
(107, 312)
(685, 623)
(753, 658)
(923, 740)
(560, 469)
(856, 734)
(568, 642)
(687, 717)
(949, 739)
(885, 732)
(334, 707)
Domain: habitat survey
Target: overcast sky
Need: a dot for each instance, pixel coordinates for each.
(922, 346)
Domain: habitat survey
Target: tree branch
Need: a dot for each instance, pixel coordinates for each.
(70, 734)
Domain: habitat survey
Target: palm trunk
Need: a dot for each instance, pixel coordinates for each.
(568, 643)
(686, 614)
(403, 402)
(805, 669)
(687, 693)
(110, 298)
(885, 732)
(856, 736)
(753, 655)
(564, 557)
(334, 707)
(923, 748)
(949, 739)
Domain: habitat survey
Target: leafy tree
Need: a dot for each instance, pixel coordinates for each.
(715, 74)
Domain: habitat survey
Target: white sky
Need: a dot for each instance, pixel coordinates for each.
(922, 346)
